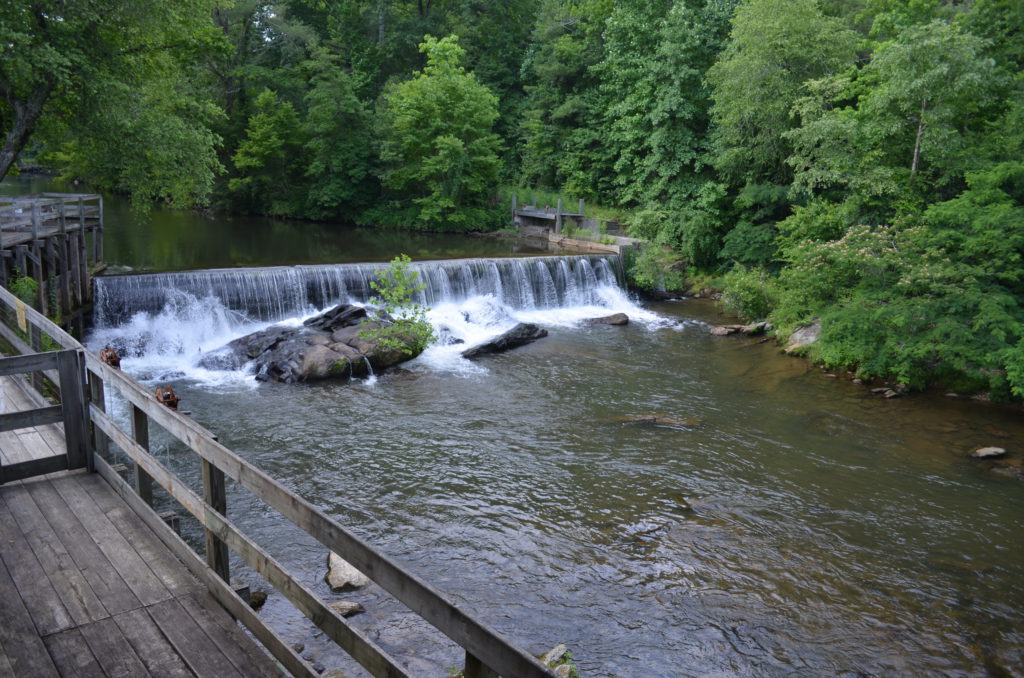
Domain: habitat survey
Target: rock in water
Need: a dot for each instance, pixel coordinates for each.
(613, 319)
(521, 334)
(341, 576)
(988, 452)
(347, 608)
(329, 345)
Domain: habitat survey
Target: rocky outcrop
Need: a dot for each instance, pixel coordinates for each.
(803, 337)
(523, 333)
(752, 329)
(330, 345)
(613, 319)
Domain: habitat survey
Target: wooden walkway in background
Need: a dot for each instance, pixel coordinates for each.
(87, 589)
(28, 443)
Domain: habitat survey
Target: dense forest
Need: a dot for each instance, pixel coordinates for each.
(860, 162)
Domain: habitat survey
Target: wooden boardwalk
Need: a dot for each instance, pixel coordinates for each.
(87, 589)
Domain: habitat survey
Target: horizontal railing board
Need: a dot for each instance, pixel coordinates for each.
(32, 468)
(33, 362)
(29, 418)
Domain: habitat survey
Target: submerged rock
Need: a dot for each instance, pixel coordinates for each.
(662, 420)
(342, 576)
(330, 345)
(523, 333)
(990, 452)
(346, 608)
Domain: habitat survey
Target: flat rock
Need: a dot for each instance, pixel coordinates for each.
(342, 576)
(613, 319)
(990, 452)
(523, 333)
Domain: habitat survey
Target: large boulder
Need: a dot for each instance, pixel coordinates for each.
(803, 337)
(330, 345)
(521, 334)
(613, 319)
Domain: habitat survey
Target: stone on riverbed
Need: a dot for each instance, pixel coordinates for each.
(523, 333)
(346, 608)
(990, 452)
(342, 576)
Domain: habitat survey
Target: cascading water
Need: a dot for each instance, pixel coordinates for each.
(164, 322)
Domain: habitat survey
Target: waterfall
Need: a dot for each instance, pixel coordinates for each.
(275, 293)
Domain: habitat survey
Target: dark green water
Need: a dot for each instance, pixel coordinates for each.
(796, 525)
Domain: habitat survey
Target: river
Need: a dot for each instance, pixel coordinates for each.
(780, 521)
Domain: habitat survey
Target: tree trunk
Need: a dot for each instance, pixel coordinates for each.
(917, 141)
(25, 115)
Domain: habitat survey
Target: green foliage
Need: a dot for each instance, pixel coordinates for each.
(268, 161)
(396, 287)
(438, 147)
(750, 293)
(24, 287)
(86, 78)
(657, 268)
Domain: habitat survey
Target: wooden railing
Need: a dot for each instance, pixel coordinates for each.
(488, 655)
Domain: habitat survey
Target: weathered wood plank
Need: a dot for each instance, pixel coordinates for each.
(72, 655)
(228, 637)
(190, 642)
(12, 448)
(34, 362)
(115, 654)
(59, 336)
(165, 566)
(215, 496)
(104, 578)
(124, 558)
(150, 645)
(75, 592)
(140, 432)
(12, 421)
(221, 591)
(42, 602)
(32, 468)
(20, 644)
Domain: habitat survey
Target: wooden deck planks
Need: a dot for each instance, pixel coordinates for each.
(30, 443)
(23, 650)
(143, 615)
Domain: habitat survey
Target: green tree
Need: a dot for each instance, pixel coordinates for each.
(270, 178)
(108, 74)
(339, 143)
(406, 327)
(439, 152)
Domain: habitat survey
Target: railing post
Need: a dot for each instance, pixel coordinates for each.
(581, 207)
(215, 495)
(35, 340)
(140, 432)
(97, 397)
(558, 217)
(477, 669)
(71, 374)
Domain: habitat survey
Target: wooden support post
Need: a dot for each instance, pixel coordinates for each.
(215, 496)
(477, 669)
(534, 200)
(83, 269)
(558, 217)
(72, 400)
(35, 340)
(37, 273)
(97, 236)
(515, 200)
(37, 220)
(51, 279)
(100, 442)
(140, 432)
(19, 260)
(581, 207)
(75, 264)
